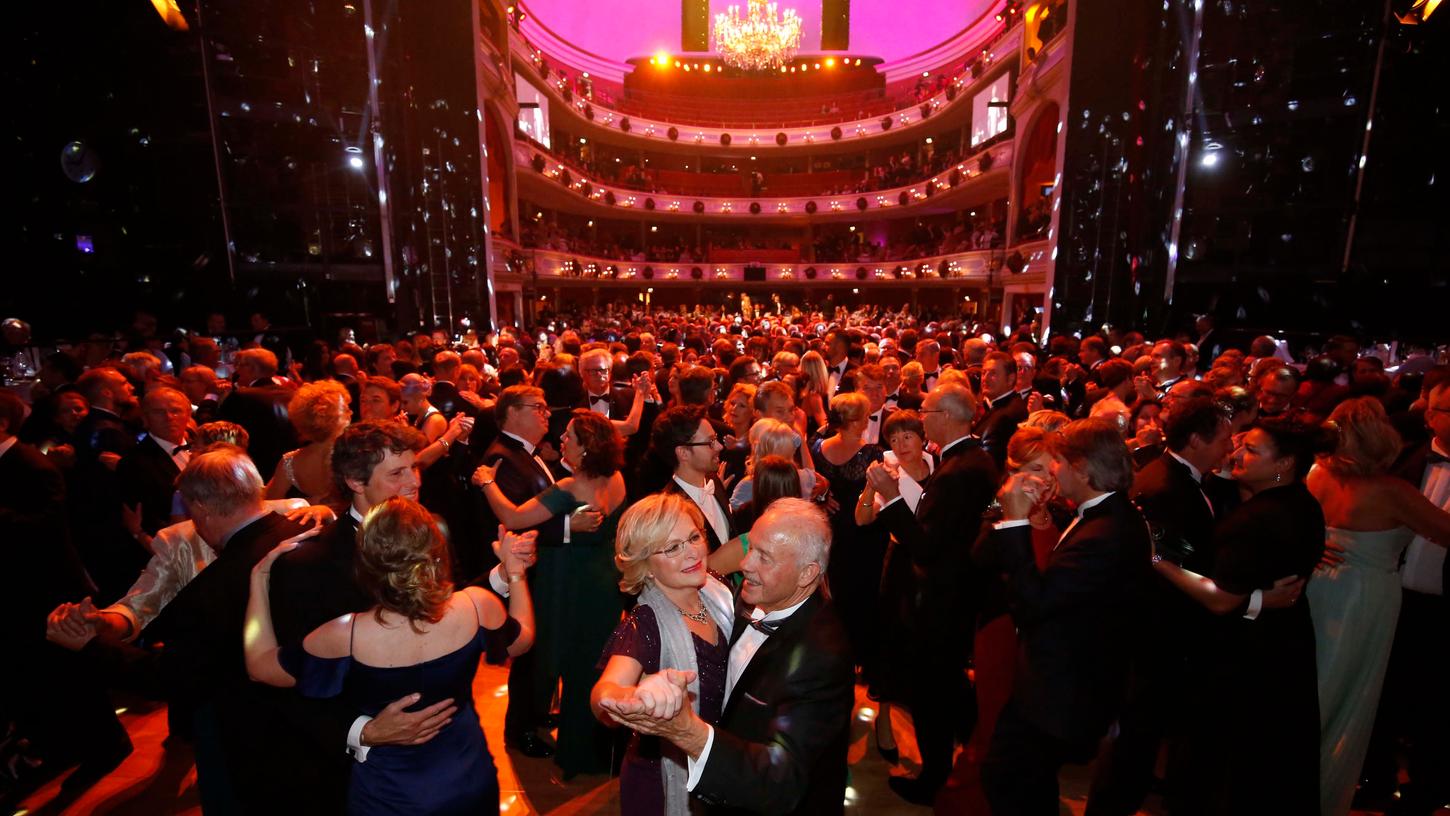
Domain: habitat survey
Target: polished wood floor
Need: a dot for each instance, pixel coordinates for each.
(154, 781)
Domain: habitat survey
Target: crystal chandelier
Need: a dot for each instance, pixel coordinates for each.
(757, 41)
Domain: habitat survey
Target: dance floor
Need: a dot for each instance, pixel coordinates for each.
(154, 781)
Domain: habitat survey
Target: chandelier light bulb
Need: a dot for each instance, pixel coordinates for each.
(760, 39)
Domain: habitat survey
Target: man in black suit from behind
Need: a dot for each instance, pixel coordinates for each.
(259, 403)
(66, 717)
(240, 744)
(147, 473)
(780, 746)
(1004, 410)
(938, 540)
(111, 556)
(1170, 494)
(445, 397)
(523, 420)
(1078, 620)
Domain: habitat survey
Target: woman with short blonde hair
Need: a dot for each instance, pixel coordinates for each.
(320, 413)
(682, 622)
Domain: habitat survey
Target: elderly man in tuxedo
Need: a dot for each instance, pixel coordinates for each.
(937, 538)
(148, 471)
(780, 745)
(1078, 620)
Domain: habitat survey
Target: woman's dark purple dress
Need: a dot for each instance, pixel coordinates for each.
(641, 786)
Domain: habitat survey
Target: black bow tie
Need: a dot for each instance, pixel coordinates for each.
(765, 627)
(893, 398)
(1433, 458)
(595, 400)
(875, 417)
(180, 448)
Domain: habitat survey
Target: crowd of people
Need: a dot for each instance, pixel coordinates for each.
(691, 535)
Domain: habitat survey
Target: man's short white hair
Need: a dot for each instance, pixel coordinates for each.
(800, 525)
(600, 353)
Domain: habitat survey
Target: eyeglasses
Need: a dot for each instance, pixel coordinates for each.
(534, 406)
(932, 411)
(672, 549)
(596, 371)
(695, 444)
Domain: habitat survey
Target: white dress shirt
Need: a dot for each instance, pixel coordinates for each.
(741, 654)
(704, 498)
(180, 457)
(1197, 478)
(1424, 569)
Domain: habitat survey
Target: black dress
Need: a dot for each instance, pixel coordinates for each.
(1253, 746)
(857, 553)
(641, 779)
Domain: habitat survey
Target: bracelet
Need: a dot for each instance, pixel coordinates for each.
(443, 440)
(489, 482)
(514, 579)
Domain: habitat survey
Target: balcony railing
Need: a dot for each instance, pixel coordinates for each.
(996, 157)
(977, 268)
(858, 123)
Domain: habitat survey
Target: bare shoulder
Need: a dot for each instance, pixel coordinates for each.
(331, 639)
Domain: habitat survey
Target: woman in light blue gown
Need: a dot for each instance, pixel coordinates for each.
(1355, 595)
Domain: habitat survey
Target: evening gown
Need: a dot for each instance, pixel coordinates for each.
(577, 605)
(857, 553)
(1253, 741)
(641, 778)
(453, 773)
(1356, 606)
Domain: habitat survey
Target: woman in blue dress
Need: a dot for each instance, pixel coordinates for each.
(420, 637)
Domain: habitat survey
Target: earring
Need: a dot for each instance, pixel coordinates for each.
(1278, 477)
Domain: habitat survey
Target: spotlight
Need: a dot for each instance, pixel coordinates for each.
(355, 162)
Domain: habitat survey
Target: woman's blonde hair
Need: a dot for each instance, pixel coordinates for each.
(1028, 443)
(1367, 444)
(643, 530)
(403, 562)
(913, 372)
(741, 390)
(771, 437)
(813, 366)
(319, 410)
(1046, 419)
(851, 407)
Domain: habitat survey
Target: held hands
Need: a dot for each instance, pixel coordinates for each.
(1020, 494)
(883, 478)
(72, 626)
(458, 428)
(1034, 402)
(516, 551)
(660, 705)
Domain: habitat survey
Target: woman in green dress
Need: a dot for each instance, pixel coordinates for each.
(580, 610)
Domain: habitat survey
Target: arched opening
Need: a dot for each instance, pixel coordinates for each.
(500, 220)
(1039, 169)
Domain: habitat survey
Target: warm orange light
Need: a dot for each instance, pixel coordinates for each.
(707, 67)
(830, 62)
(172, 16)
(661, 58)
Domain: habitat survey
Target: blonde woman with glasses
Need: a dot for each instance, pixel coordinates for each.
(682, 623)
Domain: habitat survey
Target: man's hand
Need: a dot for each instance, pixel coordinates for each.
(586, 519)
(516, 551)
(395, 726)
(66, 626)
(685, 729)
(661, 694)
(1285, 593)
(313, 515)
(1333, 554)
(1019, 495)
(458, 428)
(884, 480)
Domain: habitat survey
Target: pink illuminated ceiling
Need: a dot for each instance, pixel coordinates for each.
(890, 29)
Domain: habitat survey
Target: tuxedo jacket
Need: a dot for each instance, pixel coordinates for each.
(938, 538)
(722, 499)
(1178, 513)
(36, 543)
(520, 478)
(445, 398)
(262, 410)
(147, 476)
(780, 746)
(997, 424)
(317, 582)
(1411, 467)
(1079, 620)
(886, 411)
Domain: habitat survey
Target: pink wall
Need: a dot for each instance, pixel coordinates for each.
(620, 29)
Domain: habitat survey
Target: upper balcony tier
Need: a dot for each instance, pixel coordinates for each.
(982, 176)
(751, 117)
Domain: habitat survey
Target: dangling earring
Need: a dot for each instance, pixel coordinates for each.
(1278, 477)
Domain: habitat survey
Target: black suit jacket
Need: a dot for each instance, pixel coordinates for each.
(780, 746)
(997, 424)
(36, 544)
(317, 582)
(445, 398)
(722, 499)
(1178, 514)
(519, 478)
(1078, 621)
(147, 476)
(939, 536)
(262, 410)
(1411, 467)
